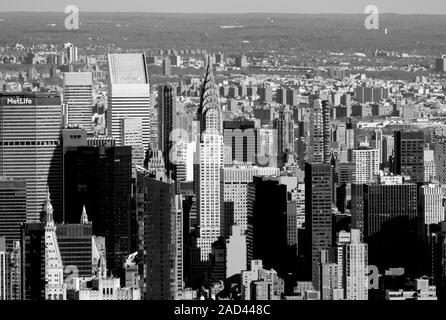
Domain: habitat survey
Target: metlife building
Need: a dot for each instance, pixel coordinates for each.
(30, 147)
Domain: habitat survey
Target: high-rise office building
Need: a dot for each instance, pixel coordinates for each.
(432, 204)
(353, 259)
(12, 209)
(176, 247)
(266, 233)
(30, 147)
(75, 245)
(78, 99)
(70, 52)
(132, 136)
(15, 271)
(319, 146)
(284, 124)
(318, 219)
(128, 95)
(366, 162)
(154, 210)
(33, 262)
(167, 122)
(387, 214)
(3, 271)
(236, 180)
(209, 169)
(440, 159)
(409, 154)
(377, 143)
(100, 178)
(430, 169)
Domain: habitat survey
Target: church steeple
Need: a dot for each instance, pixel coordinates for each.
(84, 217)
(48, 209)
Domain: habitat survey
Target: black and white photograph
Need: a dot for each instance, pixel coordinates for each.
(237, 158)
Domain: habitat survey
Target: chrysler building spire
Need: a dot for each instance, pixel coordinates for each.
(209, 112)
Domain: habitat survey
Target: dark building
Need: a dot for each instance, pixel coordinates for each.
(154, 198)
(284, 124)
(266, 234)
(12, 209)
(218, 261)
(437, 254)
(75, 245)
(318, 213)
(388, 219)
(33, 261)
(100, 179)
(409, 154)
(166, 122)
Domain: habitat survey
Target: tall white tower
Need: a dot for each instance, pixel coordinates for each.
(209, 171)
(355, 269)
(55, 288)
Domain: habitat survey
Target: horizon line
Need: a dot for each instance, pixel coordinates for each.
(232, 13)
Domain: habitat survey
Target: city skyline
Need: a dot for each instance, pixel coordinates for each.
(435, 7)
(223, 157)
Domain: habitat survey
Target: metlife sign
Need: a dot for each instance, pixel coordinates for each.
(17, 101)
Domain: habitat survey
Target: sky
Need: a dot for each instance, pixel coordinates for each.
(230, 6)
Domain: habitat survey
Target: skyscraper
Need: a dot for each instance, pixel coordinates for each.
(154, 205)
(78, 99)
(431, 204)
(366, 162)
(440, 159)
(284, 125)
(266, 234)
(318, 220)
(132, 136)
(12, 209)
(386, 213)
(3, 271)
(100, 178)
(75, 246)
(209, 169)
(30, 147)
(166, 122)
(129, 94)
(319, 146)
(409, 154)
(354, 263)
(71, 52)
(236, 180)
(55, 288)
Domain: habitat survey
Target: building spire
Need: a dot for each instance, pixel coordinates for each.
(209, 101)
(48, 209)
(84, 217)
